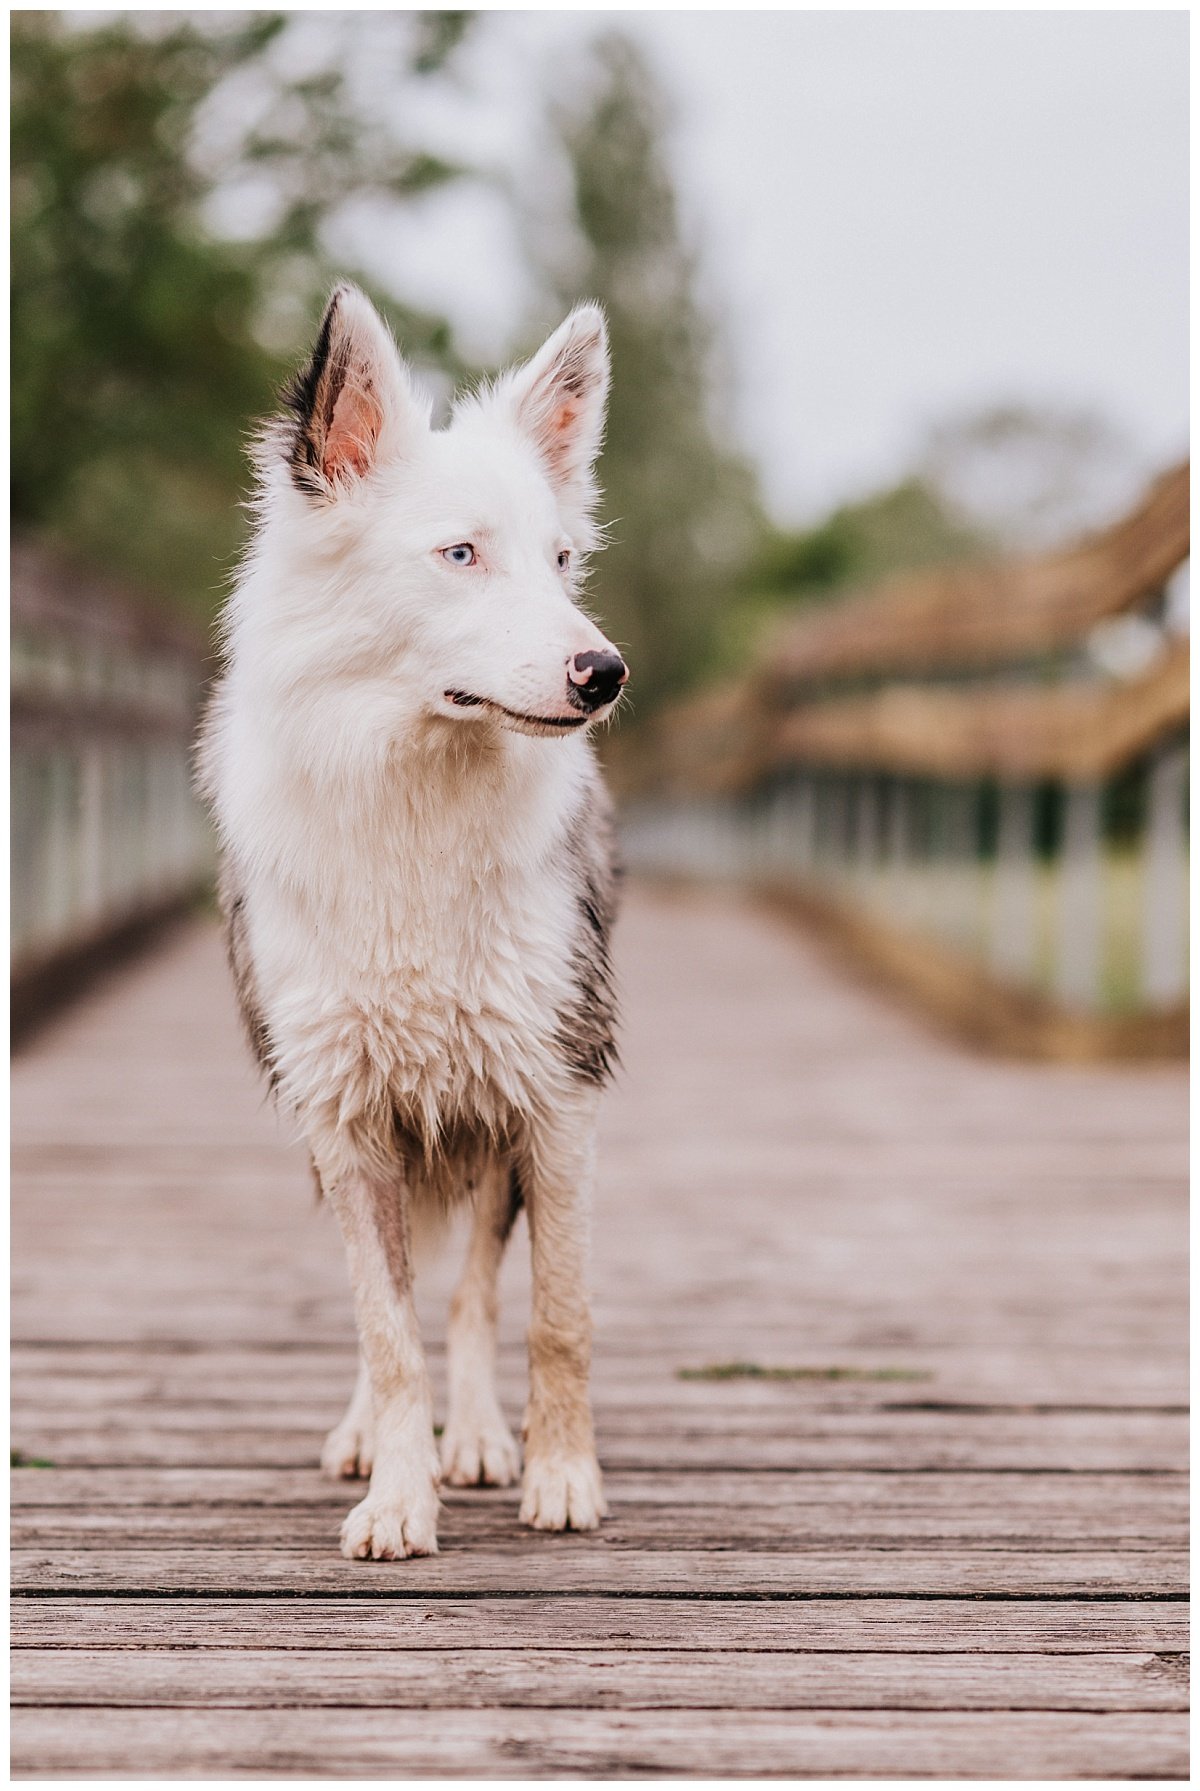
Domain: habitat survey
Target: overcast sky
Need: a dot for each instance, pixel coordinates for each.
(900, 216)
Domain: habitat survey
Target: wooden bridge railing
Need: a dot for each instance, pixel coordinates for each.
(107, 836)
(977, 779)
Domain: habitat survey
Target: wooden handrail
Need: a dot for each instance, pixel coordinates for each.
(990, 614)
(1073, 732)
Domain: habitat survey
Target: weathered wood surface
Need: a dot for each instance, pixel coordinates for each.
(398, 1741)
(952, 1549)
(984, 1627)
(546, 1678)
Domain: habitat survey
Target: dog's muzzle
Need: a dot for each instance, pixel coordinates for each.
(594, 680)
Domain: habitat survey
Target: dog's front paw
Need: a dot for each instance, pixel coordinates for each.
(478, 1449)
(563, 1492)
(348, 1452)
(390, 1529)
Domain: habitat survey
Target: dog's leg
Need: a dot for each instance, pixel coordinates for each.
(562, 1486)
(477, 1445)
(349, 1448)
(399, 1514)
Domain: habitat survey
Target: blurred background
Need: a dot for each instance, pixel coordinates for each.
(896, 464)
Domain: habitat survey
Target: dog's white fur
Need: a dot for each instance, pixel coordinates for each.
(408, 879)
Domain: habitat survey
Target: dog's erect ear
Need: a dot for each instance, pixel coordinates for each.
(558, 400)
(354, 404)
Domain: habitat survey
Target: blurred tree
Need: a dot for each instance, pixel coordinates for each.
(144, 341)
(685, 516)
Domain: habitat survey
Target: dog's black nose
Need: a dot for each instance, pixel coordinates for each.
(595, 678)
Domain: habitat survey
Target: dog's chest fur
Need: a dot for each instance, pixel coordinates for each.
(425, 959)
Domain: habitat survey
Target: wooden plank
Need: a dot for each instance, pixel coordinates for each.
(246, 1504)
(268, 1437)
(571, 1678)
(76, 1507)
(1045, 1495)
(696, 1392)
(1147, 1143)
(486, 1523)
(990, 1627)
(751, 1414)
(587, 1565)
(1130, 1344)
(652, 1378)
(631, 1372)
(598, 1744)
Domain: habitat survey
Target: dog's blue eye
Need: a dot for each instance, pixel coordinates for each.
(564, 559)
(462, 554)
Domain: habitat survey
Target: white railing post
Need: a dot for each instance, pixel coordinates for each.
(58, 896)
(1014, 894)
(91, 832)
(1080, 893)
(820, 833)
(805, 823)
(966, 881)
(864, 846)
(898, 846)
(1164, 900)
(837, 817)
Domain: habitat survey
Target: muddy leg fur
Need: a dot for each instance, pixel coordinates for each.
(398, 1517)
(562, 1487)
(478, 1449)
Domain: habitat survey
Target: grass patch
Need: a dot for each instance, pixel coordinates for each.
(755, 1371)
(17, 1458)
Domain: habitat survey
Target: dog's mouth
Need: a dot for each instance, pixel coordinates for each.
(533, 724)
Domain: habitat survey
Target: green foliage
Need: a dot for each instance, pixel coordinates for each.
(896, 530)
(810, 559)
(684, 512)
(143, 341)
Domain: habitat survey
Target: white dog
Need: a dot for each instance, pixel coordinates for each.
(418, 882)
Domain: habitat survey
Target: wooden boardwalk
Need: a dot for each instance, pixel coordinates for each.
(951, 1545)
